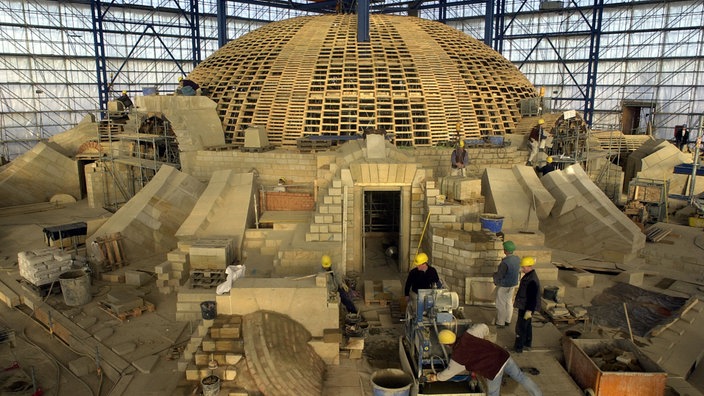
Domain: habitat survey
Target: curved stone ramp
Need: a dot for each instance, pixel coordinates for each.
(279, 357)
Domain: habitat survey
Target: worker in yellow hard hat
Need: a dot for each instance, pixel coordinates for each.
(336, 286)
(527, 301)
(422, 276)
(125, 100)
(547, 168)
(471, 351)
(187, 87)
(459, 160)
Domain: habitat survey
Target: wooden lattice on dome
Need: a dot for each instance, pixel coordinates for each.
(421, 80)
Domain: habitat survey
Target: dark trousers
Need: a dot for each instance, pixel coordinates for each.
(347, 301)
(524, 332)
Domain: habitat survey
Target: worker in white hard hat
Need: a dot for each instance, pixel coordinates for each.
(422, 276)
(527, 301)
(536, 141)
(335, 285)
(472, 352)
(459, 160)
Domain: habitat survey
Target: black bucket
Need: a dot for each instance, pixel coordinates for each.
(207, 309)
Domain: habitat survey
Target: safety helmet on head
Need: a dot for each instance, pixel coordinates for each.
(326, 261)
(541, 121)
(548, 160)
(509, 246)
(180, 78)
(447, 337)
(124, 92)
(527, 261)
(421, 258)
(461, 143)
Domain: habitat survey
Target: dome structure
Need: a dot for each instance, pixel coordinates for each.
(422, 81)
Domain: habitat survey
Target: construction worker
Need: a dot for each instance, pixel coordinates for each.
(187, 87)
(336, 286)
(527, 301)
(422, 276)
(547, 168)
(125, 100)
(473, 353)
(506, 280)
(459, 160)
(536, 141)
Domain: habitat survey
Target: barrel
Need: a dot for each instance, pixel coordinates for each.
(75, 286)
(210, 385)
(491, 222)
(208, 310)
(391, 382)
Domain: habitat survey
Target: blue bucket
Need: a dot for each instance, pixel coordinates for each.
(491, 222)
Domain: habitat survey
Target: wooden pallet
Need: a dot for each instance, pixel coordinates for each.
(43, 290)
(567, 320)
(207, 278)
(656, 234)
(257, 149)
(112, 251)
(132, 313)
(308, 145)
(224, 147)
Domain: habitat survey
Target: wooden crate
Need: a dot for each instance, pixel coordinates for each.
(588, 375)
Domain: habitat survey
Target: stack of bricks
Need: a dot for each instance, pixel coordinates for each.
(277, 201)
(43, 266)
(173, 272)
(221, 348)
(327, 221)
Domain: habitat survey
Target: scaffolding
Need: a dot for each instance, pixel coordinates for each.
(590, 55)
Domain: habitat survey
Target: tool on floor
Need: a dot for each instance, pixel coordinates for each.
(36, 390)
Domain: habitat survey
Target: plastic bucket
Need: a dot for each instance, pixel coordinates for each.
(491, 222)
(208, 310)
(75, 286)
(210, 385)
(391, 382)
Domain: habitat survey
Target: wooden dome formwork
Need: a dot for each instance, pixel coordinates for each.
(426, 83)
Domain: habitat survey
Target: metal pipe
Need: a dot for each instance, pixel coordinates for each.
(695, 164)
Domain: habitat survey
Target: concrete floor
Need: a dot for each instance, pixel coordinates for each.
(154, 335)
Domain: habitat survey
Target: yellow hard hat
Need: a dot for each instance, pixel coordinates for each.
(421, 258)
(527, 261)
(326, 261)
(180, 78)
(461, 143)
(124, 92)
(548, 159)
(447, 337)
(541, 121)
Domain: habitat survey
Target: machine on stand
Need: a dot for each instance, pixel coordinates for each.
(428, 313)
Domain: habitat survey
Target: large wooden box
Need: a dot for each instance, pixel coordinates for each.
(588, 375)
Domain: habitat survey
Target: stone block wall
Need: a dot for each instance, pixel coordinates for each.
(460, 254)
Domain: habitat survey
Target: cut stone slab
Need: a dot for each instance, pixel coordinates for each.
(136, 278)
(86, 321)
(632, 278)
(82, 366)
(146, 364)
(580, 279)
(103, 334)
(124, 348)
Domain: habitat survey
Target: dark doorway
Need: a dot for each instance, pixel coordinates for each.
(637, 117)
(382, 218)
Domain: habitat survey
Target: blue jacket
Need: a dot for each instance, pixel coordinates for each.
(508, 272)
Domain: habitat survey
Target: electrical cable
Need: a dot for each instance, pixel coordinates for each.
(56, 362)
